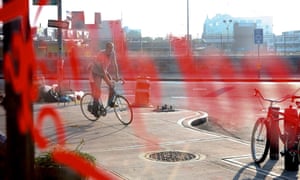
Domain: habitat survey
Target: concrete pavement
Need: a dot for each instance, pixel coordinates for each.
(162, 145)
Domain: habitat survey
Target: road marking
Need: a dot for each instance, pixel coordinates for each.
(219, 92)
(234, 162)
(179, 97)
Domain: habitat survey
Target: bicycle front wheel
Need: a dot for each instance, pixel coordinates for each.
(123, 110)
(298, 151)
(86, 106)
(259, 141)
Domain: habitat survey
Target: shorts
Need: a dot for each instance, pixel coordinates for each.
(98, 70)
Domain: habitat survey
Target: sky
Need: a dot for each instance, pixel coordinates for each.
(158, 18)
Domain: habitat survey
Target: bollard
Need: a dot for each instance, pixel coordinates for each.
(290, 128)
(142, 92)
(273, 135)
(291, 161)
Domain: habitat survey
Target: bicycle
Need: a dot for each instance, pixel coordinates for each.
(288, 131)
(121, 106)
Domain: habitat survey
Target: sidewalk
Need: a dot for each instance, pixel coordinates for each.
(163, 145)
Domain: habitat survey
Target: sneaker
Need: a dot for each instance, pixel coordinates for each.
(96, 109)
(102, 110)
(90, 108)
(111, 98)
(113, 105)
(97, 114)
(110, 101)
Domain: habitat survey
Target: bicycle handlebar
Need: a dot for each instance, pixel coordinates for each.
(120, 80)
(258, 93)
(295, 97)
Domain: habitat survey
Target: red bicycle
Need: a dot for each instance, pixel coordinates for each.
(285, 127)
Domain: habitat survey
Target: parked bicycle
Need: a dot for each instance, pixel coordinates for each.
(282, 125)
(122, 107)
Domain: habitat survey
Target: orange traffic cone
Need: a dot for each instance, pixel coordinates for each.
(142, 92)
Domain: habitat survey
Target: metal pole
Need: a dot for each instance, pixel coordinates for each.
(60, 62)
(228, 37)
(222, 47)
(259, 61)
(273, 135)
(59, 18)
(284, 45)
(227, 23)
(188, 22)
(19, 147)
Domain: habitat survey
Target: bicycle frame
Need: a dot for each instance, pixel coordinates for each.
(93, 110)
(268, 127)
(114, 92)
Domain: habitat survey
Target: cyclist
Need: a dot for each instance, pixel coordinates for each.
(104, 62)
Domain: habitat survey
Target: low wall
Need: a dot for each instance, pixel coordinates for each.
(200, 67)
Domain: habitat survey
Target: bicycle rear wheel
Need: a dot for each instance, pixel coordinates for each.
(86, 106)
(123, 110)
(259, 142)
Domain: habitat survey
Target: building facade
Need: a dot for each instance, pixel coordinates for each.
(236, 34)
(288, 43)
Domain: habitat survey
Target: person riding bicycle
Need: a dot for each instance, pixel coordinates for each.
(105, 62)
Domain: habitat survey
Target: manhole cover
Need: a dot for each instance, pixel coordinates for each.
(171, 156)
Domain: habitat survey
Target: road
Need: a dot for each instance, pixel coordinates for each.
(231, 106)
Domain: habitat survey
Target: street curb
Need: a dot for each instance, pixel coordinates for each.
(201, 120)
(200, 117)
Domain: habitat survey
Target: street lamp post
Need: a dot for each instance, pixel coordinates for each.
(188, 22)
(227, 23)
(60, 62)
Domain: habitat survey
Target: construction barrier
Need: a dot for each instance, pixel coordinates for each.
(142, 92)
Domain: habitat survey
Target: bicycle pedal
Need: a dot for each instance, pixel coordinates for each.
(103, 112)
(90, 108)
(282, 153)
(112, 105)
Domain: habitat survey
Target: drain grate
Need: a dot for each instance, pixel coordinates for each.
(171, 156)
